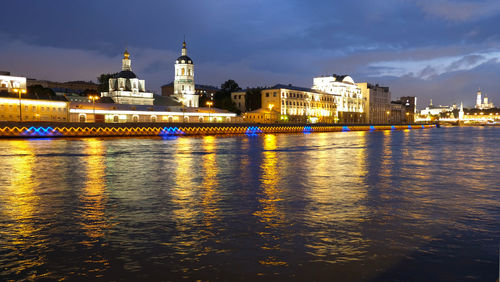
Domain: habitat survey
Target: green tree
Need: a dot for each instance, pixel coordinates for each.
(222, 98)
(103, 80)
(40, 92)
(253, 100)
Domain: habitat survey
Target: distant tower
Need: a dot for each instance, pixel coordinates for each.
(430, 104)
(461, 112)
(184, 90)
(478, 99)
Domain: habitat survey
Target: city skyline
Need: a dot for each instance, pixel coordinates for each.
(442, 50)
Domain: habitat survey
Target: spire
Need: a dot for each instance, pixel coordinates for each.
(461, 106)
(184, 50)
(430, 103)
(126, 61)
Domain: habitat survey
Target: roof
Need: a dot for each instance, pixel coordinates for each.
(126, 74)
(165, 101)
(186, 59)
(296, 88)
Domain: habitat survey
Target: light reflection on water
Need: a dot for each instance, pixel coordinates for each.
(359, 205)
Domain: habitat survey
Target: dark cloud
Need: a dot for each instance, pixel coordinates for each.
(259, 42)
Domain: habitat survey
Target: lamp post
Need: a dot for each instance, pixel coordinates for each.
(388, 116)
(209, 104)
(93, 98)
(270, 106)
(20, 91)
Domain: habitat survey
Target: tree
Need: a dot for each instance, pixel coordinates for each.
(230, 86)
(222, 98)
(253, 100)
(40, 92)
(103, 80)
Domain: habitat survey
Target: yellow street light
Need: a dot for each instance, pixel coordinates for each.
(93, 98)
(209, 104)
(20, 91)
(270, 106)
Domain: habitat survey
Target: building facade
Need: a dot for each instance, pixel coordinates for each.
(8, 83)
(297, 104)
(377, 103)
(116, 113)
(33, 110)
(184, 88)
(127, 88)
(410, 104)
(349, 98)
(238, 99)
(397, 114)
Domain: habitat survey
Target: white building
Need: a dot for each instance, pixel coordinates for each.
(350, 101)
(127, 88)
(483, 105)
(436, 110)
(184, 88)
(8, 83)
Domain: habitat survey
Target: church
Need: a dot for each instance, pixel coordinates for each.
(184, 87)
(127, 88)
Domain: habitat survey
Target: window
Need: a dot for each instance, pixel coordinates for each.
(182, 71)
(267, 94)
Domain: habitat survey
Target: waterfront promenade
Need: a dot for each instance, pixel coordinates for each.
(48, 129)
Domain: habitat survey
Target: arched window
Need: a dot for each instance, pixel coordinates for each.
(135, 119)
(82, 118)
(115, 119)
(153, 118)
(183, 70)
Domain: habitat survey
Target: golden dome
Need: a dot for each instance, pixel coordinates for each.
(126, 54)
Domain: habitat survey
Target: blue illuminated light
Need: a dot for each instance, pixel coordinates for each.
(393, 127)
(409, 126)
(372, 128)
(41, 132)
(345, 128)
(251, 130)
(307, 129)
(171, 131)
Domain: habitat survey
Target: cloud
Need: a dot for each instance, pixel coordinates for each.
(459, 10)
(427, 69)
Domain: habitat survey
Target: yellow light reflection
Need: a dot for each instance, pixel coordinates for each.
(95, 222)
(209, 184)
(93, 197)
(183, 192)
(270, 214)
(336, 190)
(20, 203)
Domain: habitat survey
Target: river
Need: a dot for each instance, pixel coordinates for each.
(413, 205)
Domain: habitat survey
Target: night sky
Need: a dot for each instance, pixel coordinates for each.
(439, 49)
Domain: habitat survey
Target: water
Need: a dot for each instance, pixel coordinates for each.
(414, 205)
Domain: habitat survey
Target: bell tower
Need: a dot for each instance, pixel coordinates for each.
(184, 90)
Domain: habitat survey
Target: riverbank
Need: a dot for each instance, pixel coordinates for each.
(50, 129)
